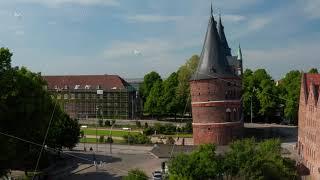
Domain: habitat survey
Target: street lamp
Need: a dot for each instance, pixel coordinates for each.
(97, 109)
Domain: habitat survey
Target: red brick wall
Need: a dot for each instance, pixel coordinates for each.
(309, 129)
(212, 99)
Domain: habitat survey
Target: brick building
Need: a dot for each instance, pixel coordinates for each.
(89, 96)
(216, 90)
(309, 124)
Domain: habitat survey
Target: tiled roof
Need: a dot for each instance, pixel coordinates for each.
(105, 82)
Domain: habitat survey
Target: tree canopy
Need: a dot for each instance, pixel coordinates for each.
(26, 108)
(313, 71)
(246, 159)
(136, 174)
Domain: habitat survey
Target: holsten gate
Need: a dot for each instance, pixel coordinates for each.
(215, 90)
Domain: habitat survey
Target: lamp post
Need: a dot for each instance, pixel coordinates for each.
(97, 109)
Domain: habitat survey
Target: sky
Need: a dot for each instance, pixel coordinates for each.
(133, 37)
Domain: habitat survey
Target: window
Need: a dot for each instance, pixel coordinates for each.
(59, 96)
(72, 96)
(65, 96)
(235, 115)
(79, 96)
(228, 114)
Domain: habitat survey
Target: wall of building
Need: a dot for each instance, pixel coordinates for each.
(309, 129)
(111, 104)
(216, 110)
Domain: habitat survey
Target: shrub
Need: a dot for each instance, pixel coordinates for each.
(148, 131)
(138, 124)
(136, 174)
(101, 139)
(137, 139)
(100, 122)
(109, 140)
(107, 123)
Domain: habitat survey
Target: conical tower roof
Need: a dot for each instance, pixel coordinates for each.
(213, 62)
(223, 39)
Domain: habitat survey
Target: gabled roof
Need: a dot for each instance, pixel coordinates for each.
(105, 82)
(310, 87)
(213, 61)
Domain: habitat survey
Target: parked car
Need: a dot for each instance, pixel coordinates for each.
(157, 175)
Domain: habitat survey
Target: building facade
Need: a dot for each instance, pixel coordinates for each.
(91, 96)
(215, 90)
(309, 124)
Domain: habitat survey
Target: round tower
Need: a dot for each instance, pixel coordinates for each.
(216, 91)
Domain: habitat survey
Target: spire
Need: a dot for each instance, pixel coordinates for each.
(239, 53)
(211, 10)
(223, 39)
(213, 61)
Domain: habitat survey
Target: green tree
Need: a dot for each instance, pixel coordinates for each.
(183, 89)
(201, 164)
(313, 71)
(289, 94)
(136, 174)
(5, 59)
(148, 81)
(153, 103)
(168, 100)
(251, 160)
(259, 87)
(25, 111)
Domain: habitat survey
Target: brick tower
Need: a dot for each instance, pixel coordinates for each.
(216, 90)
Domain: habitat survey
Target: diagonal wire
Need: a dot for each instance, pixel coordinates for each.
(45, 138)
(69, 154)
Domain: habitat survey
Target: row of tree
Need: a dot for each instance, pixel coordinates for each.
(26, 109)
(169, 96)
(246, 159)
(269, 100)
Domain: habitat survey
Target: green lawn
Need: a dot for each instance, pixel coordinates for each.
(93, 140)
(103, 132)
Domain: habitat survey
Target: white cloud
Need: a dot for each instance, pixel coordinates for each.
(258, 23)
(19, 32)
(233, 18)
(311, 8)
(17, 15)
(150, 18)
(77, 2)
(52, 23)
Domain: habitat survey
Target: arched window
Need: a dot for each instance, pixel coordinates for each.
(235, 115)
(228, 114)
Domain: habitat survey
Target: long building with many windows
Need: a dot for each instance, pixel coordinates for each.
(91, 96)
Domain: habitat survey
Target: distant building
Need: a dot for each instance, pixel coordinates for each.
(88, 96)
(309, 124)
(216, 90)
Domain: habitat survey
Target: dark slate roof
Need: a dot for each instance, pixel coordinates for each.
(105, 82)
(213, 61)
(223, 39)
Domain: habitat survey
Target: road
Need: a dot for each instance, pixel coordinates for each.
(108, 166)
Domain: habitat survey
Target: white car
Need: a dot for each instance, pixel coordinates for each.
(157, 175)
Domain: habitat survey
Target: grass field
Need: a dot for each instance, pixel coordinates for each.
(103, 132)
(93, 140)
